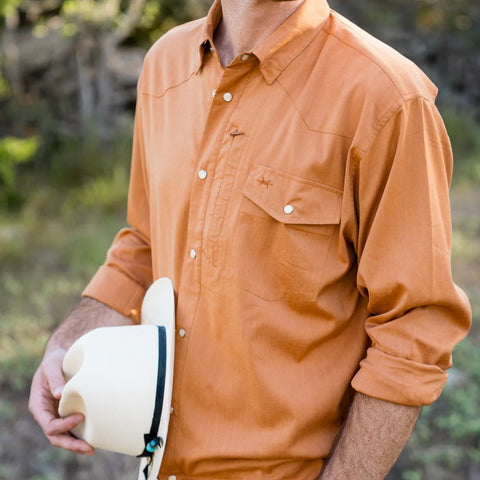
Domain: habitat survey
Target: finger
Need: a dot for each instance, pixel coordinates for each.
(53, 372)
(57, 430)
(41, 403)
(69, 442)
(44, 409)
(59, 426)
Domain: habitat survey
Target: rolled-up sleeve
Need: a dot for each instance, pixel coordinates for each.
(122, 280)
(417, 313)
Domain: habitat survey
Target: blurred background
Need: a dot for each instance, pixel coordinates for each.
(68, 72)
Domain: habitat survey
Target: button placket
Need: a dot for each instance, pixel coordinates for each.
(223, 166)
(208, 159)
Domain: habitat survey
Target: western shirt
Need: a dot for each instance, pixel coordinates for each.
(298, 200)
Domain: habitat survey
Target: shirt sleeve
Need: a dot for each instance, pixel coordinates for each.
(121, 282)
(417, 313)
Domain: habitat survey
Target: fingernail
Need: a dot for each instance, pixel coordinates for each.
(57, 393)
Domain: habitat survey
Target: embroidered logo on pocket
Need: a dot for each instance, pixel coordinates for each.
(267, 183)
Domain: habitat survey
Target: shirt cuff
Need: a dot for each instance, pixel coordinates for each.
(398, 380)
(116, 290)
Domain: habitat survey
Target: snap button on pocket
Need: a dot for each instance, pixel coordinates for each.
(288, 209)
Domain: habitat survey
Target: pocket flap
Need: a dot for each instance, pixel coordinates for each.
(293, 200)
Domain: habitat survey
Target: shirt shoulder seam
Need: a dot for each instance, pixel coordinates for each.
(304, 120)
(382, 122)
(403, 95)
(171, 87)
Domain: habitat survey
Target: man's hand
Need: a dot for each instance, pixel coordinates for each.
(371, 440)
(47, 386)
(48, 381)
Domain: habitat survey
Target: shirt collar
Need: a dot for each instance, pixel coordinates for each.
(283, 44)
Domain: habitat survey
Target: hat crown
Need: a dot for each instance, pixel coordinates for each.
(111, 377)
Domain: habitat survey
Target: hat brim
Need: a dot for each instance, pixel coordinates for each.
(158, 308)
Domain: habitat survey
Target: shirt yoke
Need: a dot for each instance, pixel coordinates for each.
(352, 83)
(172, 59)
(380, 60)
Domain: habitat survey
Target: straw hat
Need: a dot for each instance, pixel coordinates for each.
(121, 379)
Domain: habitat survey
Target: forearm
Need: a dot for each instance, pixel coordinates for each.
(371, 440)
(88, 314)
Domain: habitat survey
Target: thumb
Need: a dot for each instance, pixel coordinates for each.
(53, 372)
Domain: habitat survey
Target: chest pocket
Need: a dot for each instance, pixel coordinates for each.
(282, 235)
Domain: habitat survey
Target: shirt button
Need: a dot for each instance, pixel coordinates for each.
(212, 50)
(171, 410)
(288, 209)
(172, 477)
(245, 56)
(181, 332)
(227, 97)
(202, 174)
(214, 93)
(193, 254)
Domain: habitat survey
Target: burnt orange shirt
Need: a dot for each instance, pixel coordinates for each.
(298, 199)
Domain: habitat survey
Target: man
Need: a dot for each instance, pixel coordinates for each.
(290, 174)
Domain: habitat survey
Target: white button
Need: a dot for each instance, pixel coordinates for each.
(212, 49)
(202, 174)
(172, 477)
(227, 97)
(288, 209)
(181, 332)
(214, 93)
(193, 254)
(245, 56)
(171, 410)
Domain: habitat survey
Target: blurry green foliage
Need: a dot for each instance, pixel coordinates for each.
(464, 132)
(4, 87)
(68, 155)
(13, 151)
(461, 421)
(101, 12)
(461, 17)
(8, 7)
(73, 161)
(150, 14)
(71, 16)
(438, 17)
(105, 193)
(411, 475)
(448, 432)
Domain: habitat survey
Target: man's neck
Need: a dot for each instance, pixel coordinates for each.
(245, 23)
